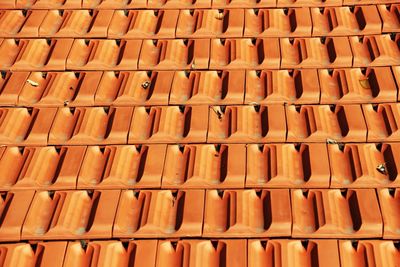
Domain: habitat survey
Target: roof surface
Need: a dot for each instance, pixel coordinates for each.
(199, 133)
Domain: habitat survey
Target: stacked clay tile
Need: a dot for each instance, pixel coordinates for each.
(215, 133)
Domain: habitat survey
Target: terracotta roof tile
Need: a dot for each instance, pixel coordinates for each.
(334, 213)
(206, 23)
(247, 213)
(13, 208)
(34, 54)
(104, 54)
(104, 253)
(76, 23)
(375, 50)
(45, 254)
(245, 53)
(246, 124)
(95, 125)
(113, 4)
(293, 22)
(134, 88)
(208, 87)
(357, 85)
(21, 23)
(381, 120)
(329, 52)
(172, 124)
(205, 166)
(377, 252)
(390, 18)
(143, 24)
(346, 21)
(297, 86)
(128, 166)
(318, 123)
(71, 215)
(287, 166)
(176, 54)
(25, 126)
(292, 252)
(166, 213)
(199, 133)
(40, 167)
(46, 4)
(364, 165)
(231, 252)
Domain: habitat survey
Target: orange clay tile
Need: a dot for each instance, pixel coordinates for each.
(202, 252)
(174, 54)
(205, 23)
(143, 24)
(336, 213)
(320, 123)
(71, 215)
(368, 2)
(342, 21)
(208, 87)
(390, 15)
(295, 253)
(76, 23)
(122, 167)
(369, 253)
(375, 50)
(55, 89)
(330, 52)
(172, 124)
(308, 3)
(243, 3)
(282, 86)
(396, 73)
(11, 84)
(40, 167)
(245, 53)
(382, 122)
(34, 54)
(204, 166)
(178, 4)
(364, 165)
(113, 4)
(247, 213)
(48, 4)
(13, 208)
(278, 22)
(389, 199)
(5, 4)
(20, 23)
(357, 85)
(134, 88)
(25, 126)
(287, 166)
(43, 254)
(95, 125)
(113, 253)
(104, 54)
(158, 214)
(250, 124)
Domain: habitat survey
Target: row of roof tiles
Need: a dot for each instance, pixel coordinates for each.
(199, 124)
(232, 23)
(104, 214)
(203, 252)
(200, 166)
(246, 53)
(175, 4)
(225, 87)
